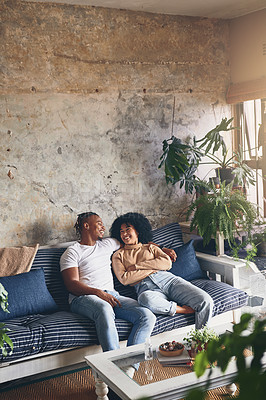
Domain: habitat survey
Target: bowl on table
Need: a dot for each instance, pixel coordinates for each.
(170, 349)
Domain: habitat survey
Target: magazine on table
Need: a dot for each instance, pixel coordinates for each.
(182, 360)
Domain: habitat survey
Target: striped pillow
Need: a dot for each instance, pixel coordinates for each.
(168, 236)
(38, 333)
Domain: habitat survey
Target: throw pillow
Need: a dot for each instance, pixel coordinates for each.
(27, 295)
(16, 260)
(186, 265)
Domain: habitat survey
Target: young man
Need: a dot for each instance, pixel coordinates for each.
(86, 271)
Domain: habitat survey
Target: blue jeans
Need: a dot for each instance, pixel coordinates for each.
(162, 291)
(103, 314)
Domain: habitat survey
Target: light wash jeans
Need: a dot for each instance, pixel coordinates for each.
(103, 314)
(162, 291)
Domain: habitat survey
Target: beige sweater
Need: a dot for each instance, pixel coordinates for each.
(147, 259)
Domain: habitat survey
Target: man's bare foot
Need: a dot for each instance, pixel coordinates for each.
(184, 310)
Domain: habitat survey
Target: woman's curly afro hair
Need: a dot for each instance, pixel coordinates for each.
(140, 223)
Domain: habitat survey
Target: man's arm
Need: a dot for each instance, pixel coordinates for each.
(170, 252)
(74, 286)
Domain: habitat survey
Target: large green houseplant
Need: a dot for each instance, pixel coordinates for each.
(225, 211)
(181, 159)
(4, 338)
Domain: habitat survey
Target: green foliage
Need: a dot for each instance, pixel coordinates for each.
(222, 210)
(4, 338)
(213, 139)
(250, 248)
(196, 394)
(202, 336)
(182, 159)
(3, 298)
(243, 173)
(259, 237)
(251, 377)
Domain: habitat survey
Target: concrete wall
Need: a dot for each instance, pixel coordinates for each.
(86, 99)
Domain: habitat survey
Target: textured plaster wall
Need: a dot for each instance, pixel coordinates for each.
(86, 99)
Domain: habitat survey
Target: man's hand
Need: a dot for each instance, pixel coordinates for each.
(170, 252)
(109, 298)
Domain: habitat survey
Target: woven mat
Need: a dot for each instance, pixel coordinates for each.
(80, 386)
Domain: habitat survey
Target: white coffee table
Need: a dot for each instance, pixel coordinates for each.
(106, 370)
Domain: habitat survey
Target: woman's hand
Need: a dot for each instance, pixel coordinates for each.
(170, 252)
(131, 268)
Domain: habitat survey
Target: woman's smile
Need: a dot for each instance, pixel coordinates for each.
(128, 234)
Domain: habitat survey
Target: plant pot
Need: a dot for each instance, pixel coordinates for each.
(225, 174)
(261, 249)
(215, 181)
(197, 346)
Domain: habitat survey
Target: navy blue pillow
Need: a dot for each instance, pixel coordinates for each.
(27, 295)
(186, 265)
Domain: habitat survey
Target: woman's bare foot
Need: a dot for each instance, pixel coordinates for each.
(184, 310)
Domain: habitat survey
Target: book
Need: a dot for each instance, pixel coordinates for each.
(182, 360)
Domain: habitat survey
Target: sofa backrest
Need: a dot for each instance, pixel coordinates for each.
(48, 258)
(168, 236)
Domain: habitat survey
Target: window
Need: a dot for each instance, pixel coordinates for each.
(250, 117)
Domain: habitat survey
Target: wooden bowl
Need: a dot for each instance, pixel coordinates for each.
(171, 349)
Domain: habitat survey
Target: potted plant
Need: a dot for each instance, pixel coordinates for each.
(233, 169)
(224, 211)
(4, 338)
(182, 159)
(198, 339)
(250, 376)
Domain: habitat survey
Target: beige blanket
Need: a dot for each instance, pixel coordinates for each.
(15, 260)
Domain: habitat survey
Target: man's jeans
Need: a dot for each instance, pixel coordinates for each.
(162, 291)
(103, 314)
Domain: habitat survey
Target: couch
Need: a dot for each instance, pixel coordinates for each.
(47, 336)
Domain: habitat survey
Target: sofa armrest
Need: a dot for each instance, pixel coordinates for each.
(226, 269)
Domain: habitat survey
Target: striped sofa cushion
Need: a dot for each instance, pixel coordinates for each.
(226, 297)
(40, 333)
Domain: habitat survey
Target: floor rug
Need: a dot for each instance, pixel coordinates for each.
(78, 385)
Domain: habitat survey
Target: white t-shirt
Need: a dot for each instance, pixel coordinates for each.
(93, 262)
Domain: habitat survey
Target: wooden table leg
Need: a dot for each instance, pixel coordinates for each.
(231, 389)
(101, 389)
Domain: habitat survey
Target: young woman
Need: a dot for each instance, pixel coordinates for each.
(145, 266)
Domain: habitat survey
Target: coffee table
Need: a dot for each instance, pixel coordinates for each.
(164, 383)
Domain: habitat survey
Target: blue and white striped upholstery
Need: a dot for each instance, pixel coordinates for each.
(63, 329)
(169, 236)
(49, 259)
